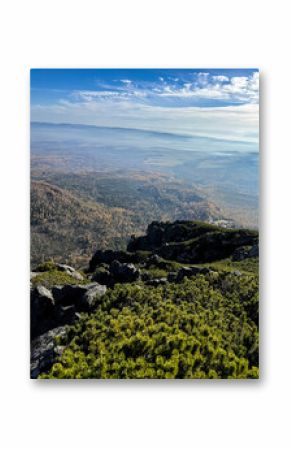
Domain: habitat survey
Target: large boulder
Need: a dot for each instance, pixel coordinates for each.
(67, 314)
(91, 297)
(50, 309)
(42, 309)
(64, 267)
(82, 297)
(254, 251)
(124, 272)
(69, 294)
(108, 256)
(44, 351)
(245, 252)
(102, 276)
(70, 271)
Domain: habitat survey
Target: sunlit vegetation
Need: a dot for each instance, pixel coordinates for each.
(68, 228)
(205, 327)
(49, 275)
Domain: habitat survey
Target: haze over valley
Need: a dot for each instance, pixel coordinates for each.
(122, 157)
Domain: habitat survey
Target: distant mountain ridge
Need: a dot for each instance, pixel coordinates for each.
(81, 213)
(136, 130)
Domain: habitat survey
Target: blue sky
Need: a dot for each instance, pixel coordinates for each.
(218, 104)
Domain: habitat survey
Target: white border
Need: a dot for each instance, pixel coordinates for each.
(140, 414)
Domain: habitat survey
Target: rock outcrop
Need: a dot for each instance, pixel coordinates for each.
(44, 351)
(246, 252)
(108, 256)
(61, 305)
(157, 282)
(124, 272)
(43, 310)
(160, 233)
(193, 242)
(70, 271)
(191, 271)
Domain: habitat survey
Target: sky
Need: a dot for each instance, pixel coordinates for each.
(203, 103)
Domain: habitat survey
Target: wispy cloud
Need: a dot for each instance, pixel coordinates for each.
(200, 104)
(201, 86)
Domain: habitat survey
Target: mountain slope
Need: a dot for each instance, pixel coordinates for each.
(73, 214)
(63, 224)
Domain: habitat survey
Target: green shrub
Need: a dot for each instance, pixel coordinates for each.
(205, 327)
(155, 273)
(55, 277)
(46, 266)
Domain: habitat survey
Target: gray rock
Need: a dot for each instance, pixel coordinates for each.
(172, 276)
(67, 314)
(102, 276)
(76, 275)
(67, 295)
(91, 297)
(41, 293)
(124, 272)
(44, 351)
(64, 267)
(82, 297)
(240, 254)
(254, 251)
(62, 305)
(246, 252)
(70, 271)
(191, 271)
(42, 310)
(57, 293)
(157, 282)
(184, 271)
(108, 256)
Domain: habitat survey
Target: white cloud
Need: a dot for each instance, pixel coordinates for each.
(235, 123)
(220, 78)
(240, 89)
(235, 90)
(167, 107)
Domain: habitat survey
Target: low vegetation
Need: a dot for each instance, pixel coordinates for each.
(201, 325)
(206, 327)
